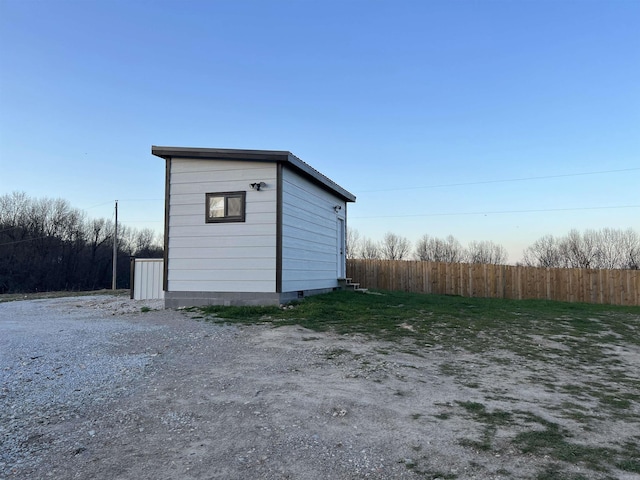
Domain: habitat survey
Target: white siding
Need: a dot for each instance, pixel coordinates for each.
(221, 257)
(309, 234)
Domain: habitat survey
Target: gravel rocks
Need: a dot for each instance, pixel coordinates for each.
(56, 367)
(99, 387)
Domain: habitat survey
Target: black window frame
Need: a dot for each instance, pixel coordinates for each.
(226, 218)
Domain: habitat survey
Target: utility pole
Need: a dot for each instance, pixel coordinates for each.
(115, 251)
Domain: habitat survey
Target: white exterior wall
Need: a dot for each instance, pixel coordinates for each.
(310, 247)
(221, 257)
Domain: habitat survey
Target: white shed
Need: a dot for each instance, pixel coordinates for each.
(249, 227)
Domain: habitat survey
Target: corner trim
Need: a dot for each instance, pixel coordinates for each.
(279, 228)
(167, 192)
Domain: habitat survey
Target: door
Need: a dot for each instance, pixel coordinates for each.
(341, 249)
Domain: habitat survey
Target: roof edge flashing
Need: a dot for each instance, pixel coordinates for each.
(281, 156)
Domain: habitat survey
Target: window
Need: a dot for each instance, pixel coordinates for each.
(225, 207)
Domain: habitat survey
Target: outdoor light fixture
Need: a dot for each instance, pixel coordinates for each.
(337, 208)
(257, 185)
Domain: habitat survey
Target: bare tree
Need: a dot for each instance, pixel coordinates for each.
(146, 244)
(353, 242)
(369, 249)
(579, 250)
(433, 249)
(487, 252)
(545, 252)
(615, 248)
(395, 247)
(605, 248)
(631, 247)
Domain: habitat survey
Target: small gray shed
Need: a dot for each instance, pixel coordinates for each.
(249, 227)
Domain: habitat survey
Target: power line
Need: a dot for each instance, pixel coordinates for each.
(506, 180)
(496, 212)
(25, 240)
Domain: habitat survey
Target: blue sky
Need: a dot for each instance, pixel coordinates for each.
(487, 120)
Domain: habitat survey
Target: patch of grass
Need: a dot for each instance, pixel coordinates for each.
(629, 460)
(552, 440)
(614, 401)
(490, 421)
(145, 309)
(473, 407)
(475, 324)
(629, 465)
(479, 411)
(451, 370)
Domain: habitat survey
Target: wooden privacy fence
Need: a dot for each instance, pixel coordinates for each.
(618, 287)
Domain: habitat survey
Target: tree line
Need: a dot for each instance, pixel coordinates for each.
(606, 248)
(47, 245)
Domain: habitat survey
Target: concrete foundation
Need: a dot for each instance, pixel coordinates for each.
(199, 299)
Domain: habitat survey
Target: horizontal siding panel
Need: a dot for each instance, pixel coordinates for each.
(301, 270)
(212, 263)
(297, 214)
(310, 204)
(221, 229)
(219, 275)
(227, 186)
(296, 186)
(226, 286)
(184, 165)
(181, 224)
(223, 176)
(300, 229)
(268, 241)
(187, 199)
(298, 275)
(303, 244)
(235, 253)
(303, 254)
(313, 233)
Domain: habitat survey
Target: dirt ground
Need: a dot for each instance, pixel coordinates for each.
(93, 387)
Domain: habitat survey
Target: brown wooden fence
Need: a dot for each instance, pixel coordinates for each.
(618, 287)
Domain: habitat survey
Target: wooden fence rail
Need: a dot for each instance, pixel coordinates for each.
(617, 287)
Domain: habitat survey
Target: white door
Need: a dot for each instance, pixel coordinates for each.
(341, 249)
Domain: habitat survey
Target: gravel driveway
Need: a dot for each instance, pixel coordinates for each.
(91, 387)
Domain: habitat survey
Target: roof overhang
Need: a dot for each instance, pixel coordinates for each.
(284, 157)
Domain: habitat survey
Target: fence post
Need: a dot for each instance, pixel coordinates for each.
(132, 276)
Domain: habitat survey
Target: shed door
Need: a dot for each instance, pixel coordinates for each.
(341, 249)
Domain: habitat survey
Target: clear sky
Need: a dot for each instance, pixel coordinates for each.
(486, 120)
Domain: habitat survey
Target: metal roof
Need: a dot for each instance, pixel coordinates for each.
(279, 156)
